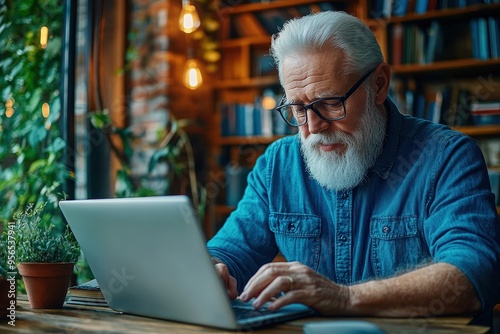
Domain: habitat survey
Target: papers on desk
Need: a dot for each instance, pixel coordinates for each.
(88, 294)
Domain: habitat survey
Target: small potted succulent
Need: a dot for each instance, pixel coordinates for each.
(46, 258)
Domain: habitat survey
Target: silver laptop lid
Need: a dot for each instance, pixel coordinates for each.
(149, 257)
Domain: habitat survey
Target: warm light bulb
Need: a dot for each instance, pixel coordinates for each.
(268, 100)
(9, 110)
(45, 110)
(189, 19)
(192, 75)
(44, 37)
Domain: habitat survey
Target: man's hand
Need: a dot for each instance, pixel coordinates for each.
(229, 281)
(415, 293)
(300, 284)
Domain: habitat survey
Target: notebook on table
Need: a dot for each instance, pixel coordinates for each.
(149, 258)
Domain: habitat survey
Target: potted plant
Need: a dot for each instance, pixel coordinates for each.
(46, 258)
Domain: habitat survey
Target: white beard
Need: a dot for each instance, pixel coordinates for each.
(345, 171)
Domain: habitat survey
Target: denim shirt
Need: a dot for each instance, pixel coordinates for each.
(426, 199)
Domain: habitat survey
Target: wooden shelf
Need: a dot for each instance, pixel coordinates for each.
(479, 130)
(465, 66)
(243, 41)
(255, 7)
(450, 13)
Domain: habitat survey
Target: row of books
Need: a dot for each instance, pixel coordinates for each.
(236, 182)
(485, 37)
(477, 38)
(449, 104)
(251, 119)
(388, 8)
(485, 112)
(268, 22)
(86, 294)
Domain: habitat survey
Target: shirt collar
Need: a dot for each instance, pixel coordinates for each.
(385, 161)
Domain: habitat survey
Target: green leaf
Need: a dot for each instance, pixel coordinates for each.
(37, 134)
(37, 165)
(100, 119)
(157, 156)
(55, 110)
(54, 47)
(57, 145)
(123, 184)
(35, 100)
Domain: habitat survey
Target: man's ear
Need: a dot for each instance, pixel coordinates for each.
(382, 80)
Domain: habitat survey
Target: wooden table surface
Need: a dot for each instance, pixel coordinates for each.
(80, 320)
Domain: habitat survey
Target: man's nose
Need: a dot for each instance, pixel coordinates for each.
(316, 124)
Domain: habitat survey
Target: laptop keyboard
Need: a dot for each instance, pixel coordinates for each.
(246, 310)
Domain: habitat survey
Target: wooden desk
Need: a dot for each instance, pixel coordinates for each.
(103, 320)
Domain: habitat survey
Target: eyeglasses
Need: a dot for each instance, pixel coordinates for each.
(328, 108)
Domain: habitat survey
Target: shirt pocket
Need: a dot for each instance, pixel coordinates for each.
(297, 236)
(396, 244)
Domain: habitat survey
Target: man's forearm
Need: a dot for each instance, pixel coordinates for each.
(437, 289)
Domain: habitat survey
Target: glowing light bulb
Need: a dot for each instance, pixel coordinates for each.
(268, 100)
(45, 110)
(9, 108)
(189, 19)
(192, 75)
(44, 37)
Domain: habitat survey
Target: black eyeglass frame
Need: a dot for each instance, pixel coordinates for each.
(341, 99)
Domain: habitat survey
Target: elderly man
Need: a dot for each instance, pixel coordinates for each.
(377, 213)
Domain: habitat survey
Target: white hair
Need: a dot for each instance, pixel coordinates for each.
(330, 30)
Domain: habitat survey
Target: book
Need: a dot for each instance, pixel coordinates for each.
(247, 24)
(387, 8)
(421, 6)
(236, 182)
(397, 43)
(475, 38)
(433, 40)
(377, 9)
(493, 28)
(273, 20)
(400, 7)
(88, 293)
(482, 30)
(87, 289)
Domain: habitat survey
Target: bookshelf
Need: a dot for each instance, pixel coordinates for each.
(247, 77)
(442, 62)
(242, 80)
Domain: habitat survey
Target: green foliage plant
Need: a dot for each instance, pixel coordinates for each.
(31, 148)
(41, 242)
(173, 148)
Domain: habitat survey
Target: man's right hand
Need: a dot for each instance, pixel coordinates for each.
(229, 281)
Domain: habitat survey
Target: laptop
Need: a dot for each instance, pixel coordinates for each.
(149, 257)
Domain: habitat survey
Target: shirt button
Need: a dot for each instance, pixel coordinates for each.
(343, 238)
(386, 229)
(291, 227)
(345, 195)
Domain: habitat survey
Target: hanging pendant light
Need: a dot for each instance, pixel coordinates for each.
(192, 74)
(189, 19)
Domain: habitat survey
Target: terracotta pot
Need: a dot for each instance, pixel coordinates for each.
(46, 283)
